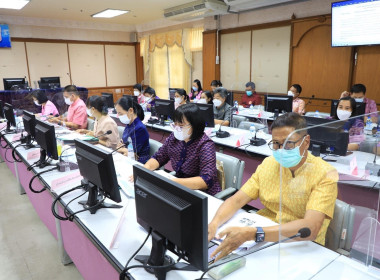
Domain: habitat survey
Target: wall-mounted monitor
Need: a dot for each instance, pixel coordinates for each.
(355, 23)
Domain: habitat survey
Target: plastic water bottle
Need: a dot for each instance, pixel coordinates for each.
(252, 130)
(251, 108)
(236, 105)
(131, 153)
(317, 115)
(368, 124)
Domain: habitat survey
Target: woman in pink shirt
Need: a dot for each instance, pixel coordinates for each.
(48, 107)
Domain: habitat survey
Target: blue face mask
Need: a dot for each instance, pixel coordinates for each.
(195, 88)
(288, 158)
(360, 100)
(249, 92)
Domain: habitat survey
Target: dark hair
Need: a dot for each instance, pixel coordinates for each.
(71, 88)
(298, 88)
(138, 87)
(150, 91)
(216, 83)
(198, 82)
(99, 103)
(193, 115)
(250, 84)
(294, 120)
(183, 93)
(40, 95)
(352, 103)
(209, 95)
(221, 91)
(358, 88)
(127, 103)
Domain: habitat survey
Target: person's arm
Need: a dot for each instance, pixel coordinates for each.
(194, 183)
(82, 131)
(257, 100)
(225, 123)
(244, 101)
(301, 108)
(152, 164)
(70, 125)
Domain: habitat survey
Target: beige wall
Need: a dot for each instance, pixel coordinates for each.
(13, 62)
(196, 69)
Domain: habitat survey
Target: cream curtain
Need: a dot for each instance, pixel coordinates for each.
(159, 71)
(179, 69)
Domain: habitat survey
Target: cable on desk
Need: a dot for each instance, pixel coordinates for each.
(241, 146)
(71, 216)
(37, 175)
(58, 197)
(14, 155)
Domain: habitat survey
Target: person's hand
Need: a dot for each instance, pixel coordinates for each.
(148, 106)
(235, 236)
(250, 102)
(81, 131)
(89, 133)
(131, 178)
(54, 120)
(345, 94)
(211, 231)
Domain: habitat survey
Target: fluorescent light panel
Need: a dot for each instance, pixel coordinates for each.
(109, 13)
(13, 4)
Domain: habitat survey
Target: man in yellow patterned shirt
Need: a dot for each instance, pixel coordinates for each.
(308, 189)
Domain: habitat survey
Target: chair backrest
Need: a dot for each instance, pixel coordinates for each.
(246, 125)
(121, 131)
(154, 146)
(236, 120)
(233, 170)
(339, 232)
(90, 124)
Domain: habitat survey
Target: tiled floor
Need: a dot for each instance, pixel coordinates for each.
(27, 249)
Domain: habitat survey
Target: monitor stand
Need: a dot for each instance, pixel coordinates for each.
(158, 258)
(94, 197)
(276, 114)
(42, 162)
(28, 143)
(8, 129)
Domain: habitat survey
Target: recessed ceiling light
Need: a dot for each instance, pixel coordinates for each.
(109, 13)
(13, 4)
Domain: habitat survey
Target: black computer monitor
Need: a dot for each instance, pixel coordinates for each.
(360, 107)
(207, 113)
(328, 138)
(45, 137)
(278, 104)
(1, 110)
(29, 120)
(98, 170)
(164, 109)
(172, 92)
(109, 99)
(49, 82)
(134, 98)
(177, 217)
(9, 115)
(14, 83)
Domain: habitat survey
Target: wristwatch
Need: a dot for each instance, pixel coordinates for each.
(260, 234)
(59, 123)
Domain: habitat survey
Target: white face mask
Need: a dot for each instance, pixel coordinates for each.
(182, 135)
(217, 102)
(290, 93)
(359, 100)
(124, 119)
(68, 101)
(178, 100)
(202, 101)
(89, 112)
(136, 93)
(343, 114)
(36, 102)
(146, 99)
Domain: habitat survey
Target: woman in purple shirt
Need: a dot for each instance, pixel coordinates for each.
(190, 151)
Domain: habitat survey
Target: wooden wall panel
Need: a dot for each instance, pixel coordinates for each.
(120, 65)
(139, 64)
(211, 70)
(87, 65)
(367, 71)
(321, 70)
(13, 62)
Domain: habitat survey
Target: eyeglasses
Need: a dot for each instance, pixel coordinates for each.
(289, 145)
(177, 127)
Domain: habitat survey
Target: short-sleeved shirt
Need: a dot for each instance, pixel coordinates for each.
(49, 109)
(370, 107)
(223, 113)
(314, 187)
(77, 113)
(140, 139)
(299, 106)
(195, 158)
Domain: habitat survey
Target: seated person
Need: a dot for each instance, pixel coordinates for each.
(206, 98)
(298, 104)
(180, 97)
(196, 91)
(222, 110)
(358, 93)
(77, 112)
(190, 151)
(137, 91)
(251, 97)
(215, 84)
(47, 107)
(131, 114)
(149, 99)
(97, 108)
(309, 190)
(346, 109)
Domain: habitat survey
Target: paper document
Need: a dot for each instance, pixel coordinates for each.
(73, 136)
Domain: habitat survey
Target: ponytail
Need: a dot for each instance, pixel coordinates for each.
(126, 103)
